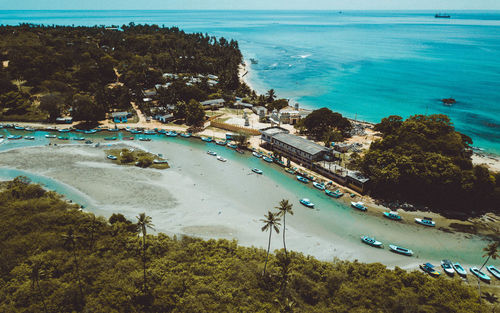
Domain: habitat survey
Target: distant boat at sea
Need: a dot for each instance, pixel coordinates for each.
(254, 61)
(439, 15)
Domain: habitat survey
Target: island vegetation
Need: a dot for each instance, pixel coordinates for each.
(56, 258)
(424, 160)
(138, 158)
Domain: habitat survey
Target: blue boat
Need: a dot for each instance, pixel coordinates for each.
(429, 269)
(220, 143)
(482, 276)
(392, 216)
(267, 159)
(207, 139)
(112, 157)
(144, 139)
(334, 194)
(494, 271)
(232, 146)
(172, 134)
(110, 138)
(459, 269)
(302, 179)
(186, 135)
(62, 138)
(371, 241)
(18, 127)
(401, 250)
(66, 130)
(162, 131)
(90, 131)
(426, 221)
(149, 132)
(135, 131)
(358, 205)
(256, 154)
(319, 186)
(307, 203)
(448, 267)
(257, 171)
(79, 138)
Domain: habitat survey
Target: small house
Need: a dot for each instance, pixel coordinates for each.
(120, 117)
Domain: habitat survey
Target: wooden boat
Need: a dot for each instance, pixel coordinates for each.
(482, 276)
(221, 159)
(371, 241)
(494, 271)
(459, 269)
(447, 267)
(110, 138)
(207, 139)
(358, 205)
(211, 153)
(306, 202)
(29, 137)
(401, 250)
(257, 171)
(319, 186)
(62, 138)
(144, 139)
(302, 179)
(112, 157)
(429, 269)
(392, 216)
(50, 136)
(425, 221)
(256, 154)
(186, 135)
(220, 143)
(267, 159)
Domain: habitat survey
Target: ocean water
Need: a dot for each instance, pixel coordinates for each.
(366, 65)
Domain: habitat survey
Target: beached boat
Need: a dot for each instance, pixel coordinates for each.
(459, 269)
(279, 162)
(267, 159)
(230, 145)
(62, 138)
(144, 139)
(160, 161)
(79, 138)
(494, 271)
(319, 186)
(220, 143)
(256, 154)
(371, 241)
(88, 142)
(135, 131)
(207, 139)
(112, 157)
(334, 194)
(290, 170)
(479, 274)
(392, 216)
(186, 135)
(401, 250)
(448, 267)
(29, 129)
(257, 171)
(110, 138)
(429, 269)
(211, 153)
(128, 138)
(172, 134)
(358, 205)
(90, 131)
(18, 127)
(221, 159)
(14, 137)
(240, 151)
(29, 137)
(306, 202)
(161, 131)
(50, 136)
(149, 132)
(302, 179)
(425, 221)
(65, 130)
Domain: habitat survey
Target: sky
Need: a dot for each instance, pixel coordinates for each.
(250, 4)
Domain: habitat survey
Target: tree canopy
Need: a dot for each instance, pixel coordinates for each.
(322, 121)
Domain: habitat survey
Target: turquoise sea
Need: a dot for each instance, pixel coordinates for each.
(366, 65)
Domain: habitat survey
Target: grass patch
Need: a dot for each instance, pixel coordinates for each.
(137, 157)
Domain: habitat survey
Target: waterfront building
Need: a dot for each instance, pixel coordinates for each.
(213, 104)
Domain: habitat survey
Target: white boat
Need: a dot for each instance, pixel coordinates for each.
(257, 155)
(448, 267)
(425, 221)
(494, 271)
(307, 203)
(459, 269)
(112, 157)
(319, 186)
(401, 250)
(358, 205)
(221, 159)
(212, 153)
(371, 241)
(50, 136)
(257, 171)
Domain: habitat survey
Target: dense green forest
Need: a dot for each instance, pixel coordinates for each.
(56, 258)
(46, 70)
(425, 161)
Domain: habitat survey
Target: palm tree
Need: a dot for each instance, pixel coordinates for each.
(271, 95)
(143, 223)
(35, 281)
(284, 208)
(491, 298)
(70, 240)
(491, 252)
(271, 222)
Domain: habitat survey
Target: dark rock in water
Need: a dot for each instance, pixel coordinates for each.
(448, 101)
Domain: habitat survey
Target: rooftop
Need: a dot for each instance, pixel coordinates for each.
(271, 131)
(214, 101)
(300, 143)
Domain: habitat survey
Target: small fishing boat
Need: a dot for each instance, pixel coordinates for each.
(371, 241)
(90, 131)
(220, 143)
(29, 129)
(65, 130)
(239, 151)
(267, 159)
(62, 138)
(279, 162)
(429, 269)
(358, 205)
(162, 131)
(172, 134)
(186, 135)
(14, 137)
(425, 221)
(401, 250)
(302, 179)
(135, 131)
(112, 157)
(50, 136)
(334, 194)
(306, 202)
(319, 186)
(221, 159)
(207, 139)
(88, 142)
(160, 161)
(29, 137)
(230, 145)
(257, 171)
(459, 269)
(128, 138)
(149, 132)
(290, 170)
(144, 139)
(256, 154)
(18, 127)
(392, 216)
(494, 271)
(447, 267)
(110, 138)
(211, 153)
(79, 138)
(474, 270)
